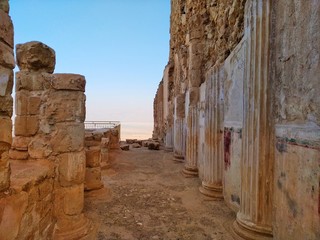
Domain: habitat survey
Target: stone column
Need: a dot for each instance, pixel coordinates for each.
(254, 220)
(50, 125)
(6, 83)
(179, 127)
(191, 166)
(213, 161)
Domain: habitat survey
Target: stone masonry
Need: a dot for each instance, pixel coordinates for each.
(6, 84)
(248, 71)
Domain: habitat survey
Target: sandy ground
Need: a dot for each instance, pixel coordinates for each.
(146, 197)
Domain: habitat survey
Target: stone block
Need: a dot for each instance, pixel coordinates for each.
(93, 157)
(26, 125)
(6, 104)
(6, 130)
(6, 26)
(136, 145)
(153, 146)
(92, 143)
(45, 189)
(4, 172)
(13, 208)
(18, 155)
(69, 81)
(69, 201)
(93, 179)
(104, 155)
(32, 81)
(35, 56)
(4, 6)
(97, 135)
(40, 147)
(6, 81)
(104, 143)
(6, 54)
(125, 147)
(34, 103)
(74, 200)
(63, 106)
(21, 103)
(20, 143)
(68, 137)
(72, 168)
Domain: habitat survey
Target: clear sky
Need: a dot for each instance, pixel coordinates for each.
(121, 46)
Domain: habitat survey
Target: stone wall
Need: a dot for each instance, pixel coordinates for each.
(295, 70)
(47, 154)
(246, 74)
(6, 84)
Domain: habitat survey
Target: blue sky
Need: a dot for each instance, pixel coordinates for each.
(121, 46)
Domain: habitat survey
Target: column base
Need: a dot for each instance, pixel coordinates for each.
(71, 229)
(190, 172)
(168, 149)
(211, 191)
(178, 156)
(249, 231)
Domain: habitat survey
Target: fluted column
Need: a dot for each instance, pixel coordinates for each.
(169, 139)
(213, 162)
(179, 127)
(191, 166)
(254, 220)
(179, 138)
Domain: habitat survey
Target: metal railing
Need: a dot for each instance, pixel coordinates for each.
(100, 124)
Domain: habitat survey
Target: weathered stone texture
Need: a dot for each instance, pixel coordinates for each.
(296, 61)
(6, 26)
(35, 56)
(258, 128)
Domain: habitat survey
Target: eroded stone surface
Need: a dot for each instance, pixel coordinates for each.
(35, 56)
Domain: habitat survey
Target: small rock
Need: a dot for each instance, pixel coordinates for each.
(136, 145)
(153, 146)
(125, 147)
(131, 141)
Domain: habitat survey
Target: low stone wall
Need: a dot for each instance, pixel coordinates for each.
(27, 210)
(98, 143)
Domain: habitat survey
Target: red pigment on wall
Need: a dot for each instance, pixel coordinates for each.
(227, 145)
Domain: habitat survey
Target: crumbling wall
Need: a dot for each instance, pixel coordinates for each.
(47, 155)
(6, 84)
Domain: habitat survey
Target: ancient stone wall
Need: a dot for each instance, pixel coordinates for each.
(47, 154)
(6, 84)
(248, 71)
(295, 70)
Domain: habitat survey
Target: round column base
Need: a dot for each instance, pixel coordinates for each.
(189, 172)
(82, 229)
(178, 157)
(211, 191)
(168, 149)
(249, 231)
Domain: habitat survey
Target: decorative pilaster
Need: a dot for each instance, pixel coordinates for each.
(169, 139)
(254, 220)
(179, 127)
(179, 139)
(191, 166)
(213, 162)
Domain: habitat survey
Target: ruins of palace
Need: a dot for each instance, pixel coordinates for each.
(238, 104)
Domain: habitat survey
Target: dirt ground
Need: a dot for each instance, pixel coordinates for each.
(146, 197)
